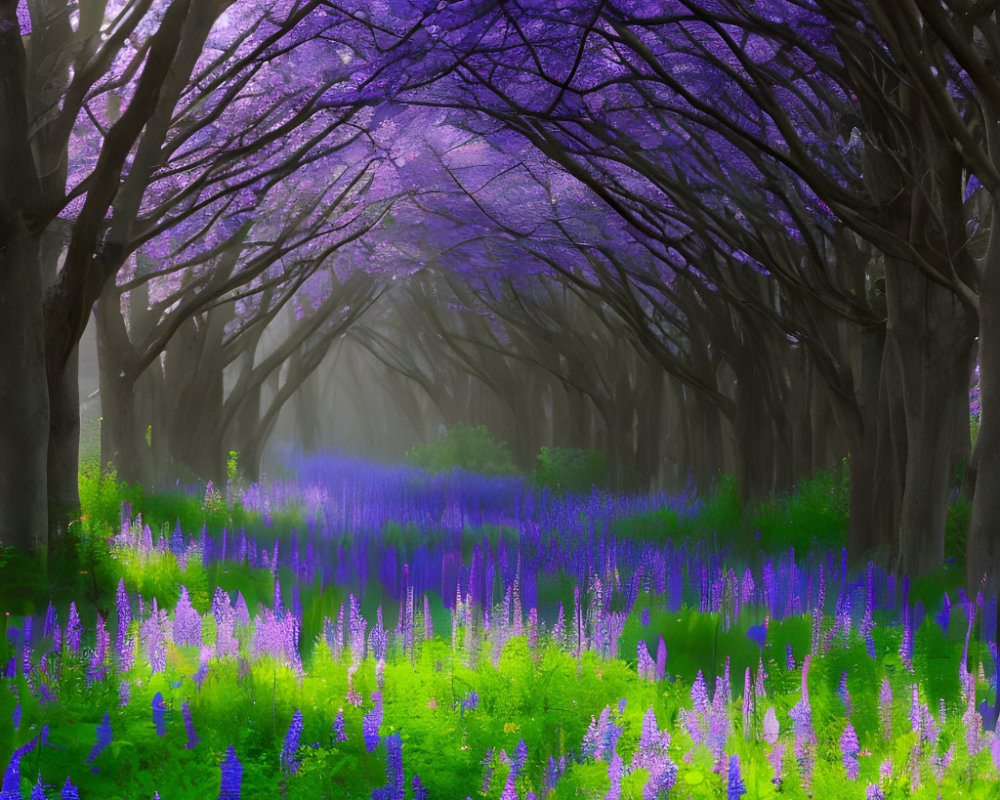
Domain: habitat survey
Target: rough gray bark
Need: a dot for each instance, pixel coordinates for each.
(24, 404)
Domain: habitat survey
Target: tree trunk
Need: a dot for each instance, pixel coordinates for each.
(931, 334)
(121, 428)
(64, 444)
(24, 397)
(983, 544)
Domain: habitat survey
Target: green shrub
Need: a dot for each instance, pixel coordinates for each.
(570, 469)
(816, 510)
(463, 446)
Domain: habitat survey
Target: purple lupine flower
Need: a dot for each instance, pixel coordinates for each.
(17, 715)
(736, 787)
(291, 746)
(653, 755)
(395, 788)
(470, 703)
(242, 612)
(849, 747)
(104, 734)
(939, 764)
(559, 629)
(748, 703)
(193, 738)
(509, 791)
(50, 623)
(338, 727)
(520, 757)
(645, 616)
(789, 658)
(95, 671)
(124, 693)
(844, 695)
(758, 634)
(419, 792)
(10, 789)
(699, 694)
(160, 714)
(69, 791)
(428, 619)
(661, 658)
(187, 621)
(232, 776)
(124, 611)
(645, 665)
(616, 771)
(771, 727)
(874, 792)
(805, 736)
(371, 722)
(38, 790)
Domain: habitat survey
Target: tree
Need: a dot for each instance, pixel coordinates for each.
(621, 97)
(126, 121)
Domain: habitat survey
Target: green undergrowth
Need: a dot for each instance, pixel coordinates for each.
(544, 696)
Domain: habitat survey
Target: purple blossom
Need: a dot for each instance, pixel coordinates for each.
(10, 789)
(470, 703)
(232, 776)
(509, 791)
(371, 722)
(51, 623)
(193, 738)
(69, 791)
(124, 611)
(338, 727)
(160, 714)
(645, 616)
(661, 658)
(95, 671)
(395, 788)
(850, 749)
(288, 761)
(104, 734)
(844, 695)
(187, 622)
(645, 665)
(616, 771)
(419, 792)
(758, 634)
(653, 755)
(736, 787)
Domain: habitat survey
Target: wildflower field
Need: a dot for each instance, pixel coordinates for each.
(367, 631)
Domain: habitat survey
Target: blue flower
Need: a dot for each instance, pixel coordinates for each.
(69, 792)
(104, 734)
(232, 776)
(291, 746)
(159, 714)
(758, 633)
(736, 787)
